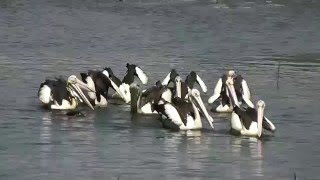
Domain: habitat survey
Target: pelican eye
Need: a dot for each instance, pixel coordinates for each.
(196, 94)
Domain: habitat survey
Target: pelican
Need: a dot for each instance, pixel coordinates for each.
(249, 121)
(61, 94)
(142, 102)
(188, 84)
(170, 77)
(124, 88)
(220, 91)
(183, 115)
(192, 78)
(100, 81)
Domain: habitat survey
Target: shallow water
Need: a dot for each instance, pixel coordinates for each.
(40, 39)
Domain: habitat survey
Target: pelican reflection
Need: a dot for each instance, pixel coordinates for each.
(244, 148)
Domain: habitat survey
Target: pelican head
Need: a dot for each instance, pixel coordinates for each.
(260, 109)
(178, 79)
(195, 93)
(261, 104)
(194, 96)
(74, 85)
(231, 73)
(72, 79)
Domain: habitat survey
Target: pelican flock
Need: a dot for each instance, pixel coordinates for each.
(177, 103)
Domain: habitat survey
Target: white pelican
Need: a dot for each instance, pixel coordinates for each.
(220, 91)
(188, 84)
(59, 94)
(183, 115)
(142, 102)
(249, 121)
(132, 70)
(100, 81)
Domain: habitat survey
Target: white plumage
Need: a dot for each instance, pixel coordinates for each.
(103, 102)
(173, 114)
(146, 109)
(166, 79)
(45, 94)
(105, 72)
(65, 105)
(217, 91)
(125, 92)
(91, 85)
(238, 126)
(167, 95)
(192, 115)
(202, 84)
(191, 122)
(142, 76)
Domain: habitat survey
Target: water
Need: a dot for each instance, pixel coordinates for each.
(40, 39)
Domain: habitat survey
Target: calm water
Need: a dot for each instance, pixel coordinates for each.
(40, 39)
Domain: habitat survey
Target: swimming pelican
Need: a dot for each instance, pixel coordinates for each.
(170, 77)
(100, 81)
(249, 121)
(182, 114)
(192, 78)
(61, 94)
(188, 84)
(132, 70)
(142, 102)
(220, 91)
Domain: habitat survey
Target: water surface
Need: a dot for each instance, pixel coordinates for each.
(48, 38)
